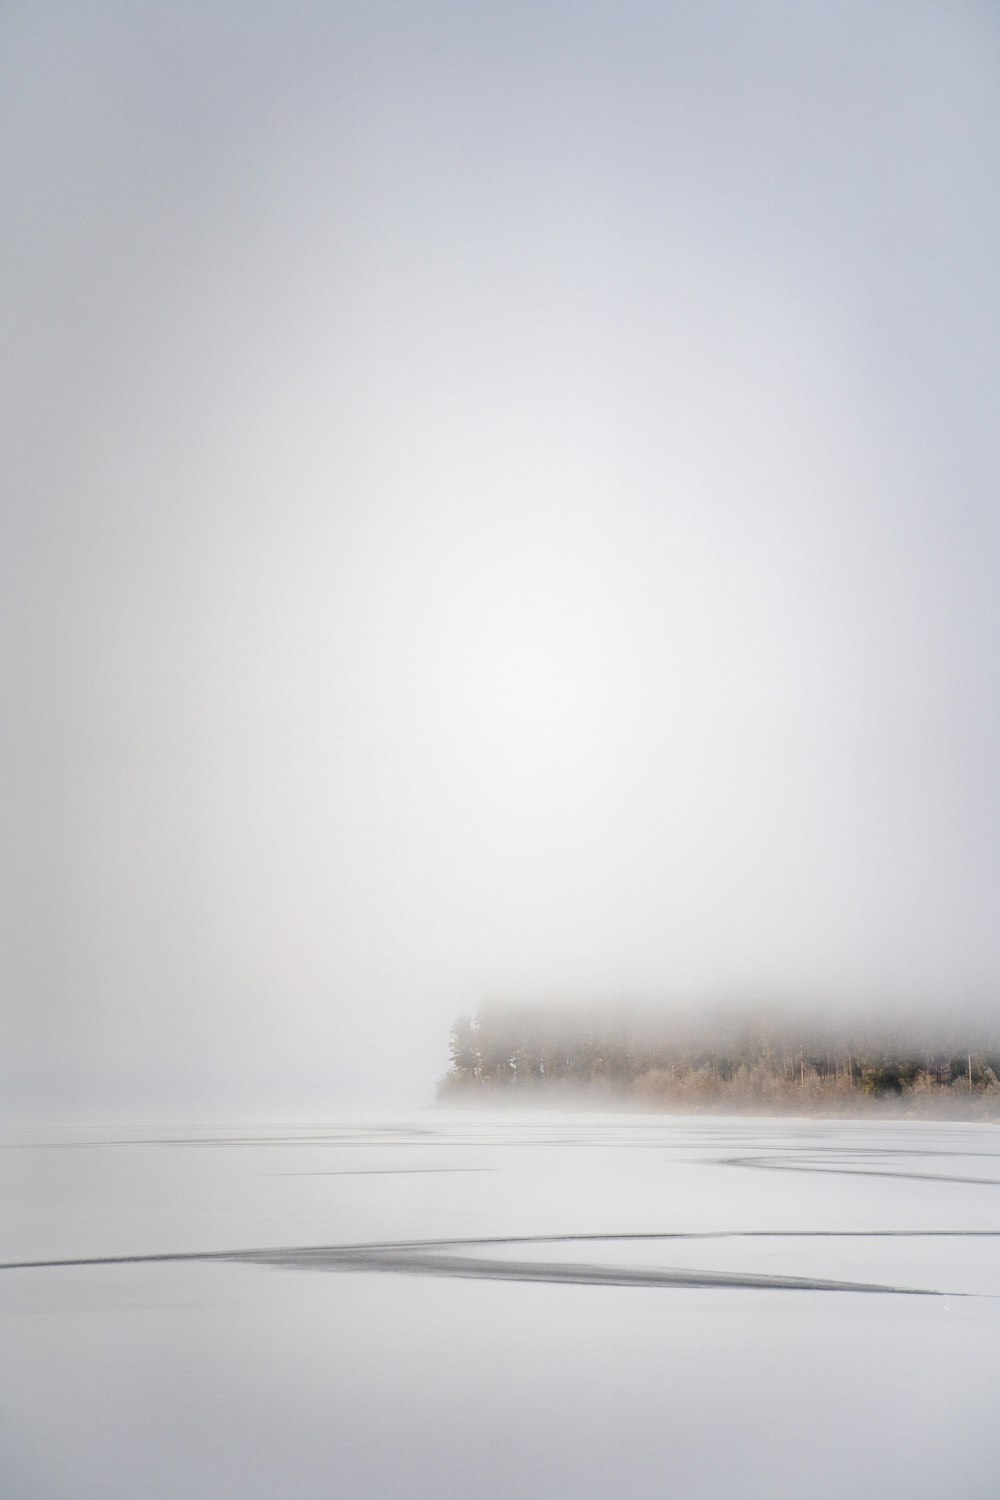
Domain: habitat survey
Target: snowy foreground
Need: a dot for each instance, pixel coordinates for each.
(461, 1306)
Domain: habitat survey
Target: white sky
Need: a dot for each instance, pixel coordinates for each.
(497, 499)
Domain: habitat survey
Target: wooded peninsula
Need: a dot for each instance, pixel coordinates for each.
(762, 1062)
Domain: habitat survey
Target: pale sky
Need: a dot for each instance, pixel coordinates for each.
(498, 499)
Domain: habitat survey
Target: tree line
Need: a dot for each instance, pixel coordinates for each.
(719, 1057)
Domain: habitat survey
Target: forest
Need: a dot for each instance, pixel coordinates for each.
(761, 1060)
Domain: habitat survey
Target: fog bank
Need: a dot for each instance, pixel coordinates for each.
(496, 503)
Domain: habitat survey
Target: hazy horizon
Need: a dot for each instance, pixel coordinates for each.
(498, 501)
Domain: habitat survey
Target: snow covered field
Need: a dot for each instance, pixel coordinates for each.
(480, 1307)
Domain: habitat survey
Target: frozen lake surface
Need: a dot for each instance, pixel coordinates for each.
(480, 1307)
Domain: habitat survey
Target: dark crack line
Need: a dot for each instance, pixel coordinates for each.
(763, 1164)
(380, 1171)
(568, 1273)
(431, 1258)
